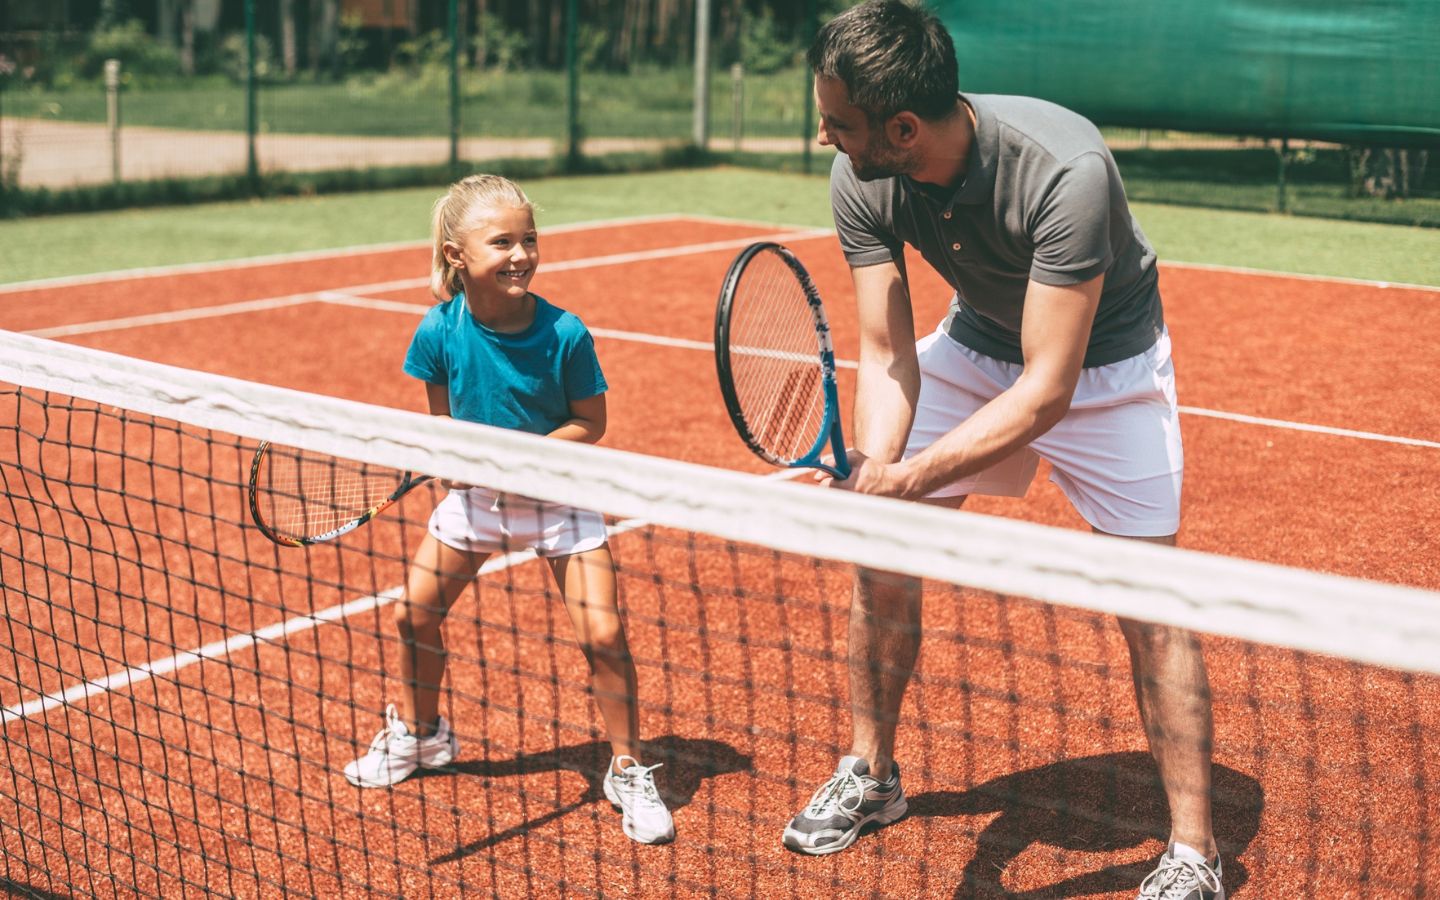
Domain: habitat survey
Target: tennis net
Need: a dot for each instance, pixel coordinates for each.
(180, 694)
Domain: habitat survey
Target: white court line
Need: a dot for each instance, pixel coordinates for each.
(246, 306)
(221, 265)
(340, 299)
(1299, 276)
(1316, 429)
(339, 253)
(270, 634)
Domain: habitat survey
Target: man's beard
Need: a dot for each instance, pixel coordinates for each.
(881, 161)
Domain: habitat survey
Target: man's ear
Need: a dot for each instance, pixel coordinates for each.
(903, 129)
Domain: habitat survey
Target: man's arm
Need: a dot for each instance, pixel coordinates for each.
(1053, 337)
(887, 383)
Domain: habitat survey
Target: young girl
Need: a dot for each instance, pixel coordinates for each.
(493, 352)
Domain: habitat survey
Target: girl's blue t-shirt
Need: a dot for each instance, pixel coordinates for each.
(525, 381)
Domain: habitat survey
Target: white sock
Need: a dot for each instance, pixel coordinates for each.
(1186, 853)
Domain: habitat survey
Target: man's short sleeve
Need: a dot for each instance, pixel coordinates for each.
(425, 359)
(1072, 226)
(863, 238)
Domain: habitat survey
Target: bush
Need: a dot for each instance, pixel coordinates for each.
(232, 58)
(763, 49)
(141, 56)
(497, 47)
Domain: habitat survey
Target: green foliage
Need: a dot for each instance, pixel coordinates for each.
(498, 47)
(764, 49)
(351, 45)
(142, 58)
(231, 57)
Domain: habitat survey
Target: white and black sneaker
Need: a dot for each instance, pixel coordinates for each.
(1186, 876)
(849, 801)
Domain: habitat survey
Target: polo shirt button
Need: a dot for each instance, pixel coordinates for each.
(954, 246)
(947, 213)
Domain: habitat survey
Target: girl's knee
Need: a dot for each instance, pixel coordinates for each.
(415, 619)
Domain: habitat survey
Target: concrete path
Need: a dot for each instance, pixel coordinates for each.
(66, 154)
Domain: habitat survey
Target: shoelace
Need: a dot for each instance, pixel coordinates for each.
(640, 775)
(1176, 879)
(828, 796)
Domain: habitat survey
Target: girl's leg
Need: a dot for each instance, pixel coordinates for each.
(438, 574)
(587, 582)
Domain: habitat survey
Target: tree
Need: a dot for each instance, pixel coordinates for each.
(287, 37)
(325, 36)
(1387, 173)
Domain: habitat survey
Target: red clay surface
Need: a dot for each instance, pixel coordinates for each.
(1024, 760)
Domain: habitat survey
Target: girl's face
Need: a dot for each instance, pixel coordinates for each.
(498, 256)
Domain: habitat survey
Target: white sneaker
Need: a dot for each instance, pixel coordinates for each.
(395, 753)
(1183, 879)
(632, 790)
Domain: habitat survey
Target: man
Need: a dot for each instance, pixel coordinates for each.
(1018, 204)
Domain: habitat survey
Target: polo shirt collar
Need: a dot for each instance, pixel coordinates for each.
(979, 184)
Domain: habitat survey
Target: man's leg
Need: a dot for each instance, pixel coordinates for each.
(1172, 691)
(884, 641)
(884, 644)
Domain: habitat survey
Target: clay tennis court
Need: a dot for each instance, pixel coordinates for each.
(1309, 443)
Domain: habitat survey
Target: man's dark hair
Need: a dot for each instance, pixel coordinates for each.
(892, 57)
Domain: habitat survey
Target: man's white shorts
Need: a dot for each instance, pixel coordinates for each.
(1116, 454)
(484, 521)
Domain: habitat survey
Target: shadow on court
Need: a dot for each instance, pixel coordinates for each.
(22, 889)
(1092, 804)
(687, 764)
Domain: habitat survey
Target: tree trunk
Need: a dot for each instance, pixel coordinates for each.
(557, 32)
(187, 37)
(165, 13)
(1386, 173)
(534, 32)
(287, 37)
(325, 36)
(482, 11)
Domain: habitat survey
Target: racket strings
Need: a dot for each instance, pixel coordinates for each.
(303, 494)
(774, 359)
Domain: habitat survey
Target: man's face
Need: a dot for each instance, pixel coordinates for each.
(845, 127)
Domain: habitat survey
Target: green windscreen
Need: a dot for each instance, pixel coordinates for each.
(1339, 70)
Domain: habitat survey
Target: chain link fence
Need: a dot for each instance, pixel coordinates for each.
(205, 99)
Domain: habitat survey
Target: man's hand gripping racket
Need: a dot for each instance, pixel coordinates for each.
(776, 363)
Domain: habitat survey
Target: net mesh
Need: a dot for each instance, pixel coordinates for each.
(180, 694)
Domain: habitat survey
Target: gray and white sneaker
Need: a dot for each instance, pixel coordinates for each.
(1183, 879)
(395, 753)
(632, 790)
(849, 801)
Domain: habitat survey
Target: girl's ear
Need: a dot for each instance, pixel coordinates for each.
(453, 255)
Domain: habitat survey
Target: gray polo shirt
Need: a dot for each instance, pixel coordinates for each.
(1042, 200)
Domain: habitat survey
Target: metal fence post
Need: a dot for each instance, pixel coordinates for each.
(252, 118)
(807, 135)
(572, 85)
(455, 39)
(737, 103)
(112, 114)
(1282, 153)
(701, 135)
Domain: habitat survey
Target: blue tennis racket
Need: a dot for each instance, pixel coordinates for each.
(776, 363)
